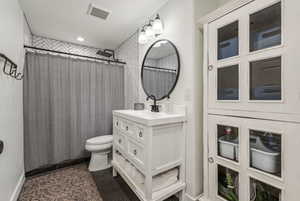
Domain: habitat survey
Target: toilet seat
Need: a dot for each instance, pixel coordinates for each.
(96, 147)
(100, 140)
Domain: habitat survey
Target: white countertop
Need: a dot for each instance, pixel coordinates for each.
(150, 118)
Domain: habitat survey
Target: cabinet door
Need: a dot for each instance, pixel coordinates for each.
(225, 159)
(250, 66)
(253, 160)
(225, 50)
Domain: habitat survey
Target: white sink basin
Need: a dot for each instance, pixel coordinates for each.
(150, 118)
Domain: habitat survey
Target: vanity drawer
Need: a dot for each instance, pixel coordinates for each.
(136, 152)
(120, 141)
(126, 126)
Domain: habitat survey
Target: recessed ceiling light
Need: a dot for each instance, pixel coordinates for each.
(80, 39)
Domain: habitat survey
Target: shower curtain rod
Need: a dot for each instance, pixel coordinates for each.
(153, 67)
(76, 55)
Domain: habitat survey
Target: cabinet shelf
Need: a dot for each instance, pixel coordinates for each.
(158, 195)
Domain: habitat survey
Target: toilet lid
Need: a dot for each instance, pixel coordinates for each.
(105, 139)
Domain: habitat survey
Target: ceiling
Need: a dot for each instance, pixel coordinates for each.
(67, 19)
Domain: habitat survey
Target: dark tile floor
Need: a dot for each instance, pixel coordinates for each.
(115, 188)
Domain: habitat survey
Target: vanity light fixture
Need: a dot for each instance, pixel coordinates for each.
(157, 25)
(149, 31)
(143, 38)
(153, 29)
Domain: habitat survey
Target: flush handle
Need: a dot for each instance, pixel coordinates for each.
(117, 123)
(140, 134)
(211, 160)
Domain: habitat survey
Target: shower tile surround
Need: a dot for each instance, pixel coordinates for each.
(57, 45)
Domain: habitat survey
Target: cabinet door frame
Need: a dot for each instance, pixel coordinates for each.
(213, 122)
(244, 59)
(213, 58)
(243, 168)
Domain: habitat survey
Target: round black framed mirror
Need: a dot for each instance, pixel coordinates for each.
(160, 69)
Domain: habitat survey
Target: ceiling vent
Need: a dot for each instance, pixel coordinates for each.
(98, 12)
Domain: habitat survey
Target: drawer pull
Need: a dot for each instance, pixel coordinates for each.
(140, 134)
(135, 152)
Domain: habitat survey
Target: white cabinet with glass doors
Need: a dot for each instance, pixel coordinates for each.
(251, 66)
(253, 160)
(252, 101)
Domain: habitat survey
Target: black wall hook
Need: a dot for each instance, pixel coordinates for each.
(10, 68)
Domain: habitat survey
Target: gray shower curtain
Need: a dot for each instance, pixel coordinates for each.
(158, 82)
(67, 101)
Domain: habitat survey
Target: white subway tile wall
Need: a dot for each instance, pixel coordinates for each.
(128, 51)
(51, 44)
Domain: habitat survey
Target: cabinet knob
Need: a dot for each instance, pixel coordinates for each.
(211, 160)
(135, 152)
(140, 134)
(210, 67)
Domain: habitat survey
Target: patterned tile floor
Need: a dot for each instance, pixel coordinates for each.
(76, 183)
(68, 184)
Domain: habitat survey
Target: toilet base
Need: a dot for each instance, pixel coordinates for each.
(100, 161)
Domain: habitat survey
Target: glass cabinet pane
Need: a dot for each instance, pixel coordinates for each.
(228, 83)
(265, 152)
(228, 183)
(228, 142)
(265, 79)
(260, 191)
(265, 28)
(228, 41)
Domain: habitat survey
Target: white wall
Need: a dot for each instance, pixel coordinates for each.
(179, 19)
(11, 108)
(222, 2)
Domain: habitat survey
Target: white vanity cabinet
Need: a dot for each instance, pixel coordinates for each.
(149, 152)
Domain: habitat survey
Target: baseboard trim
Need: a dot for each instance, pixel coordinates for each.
(18, 188)
(57, 166)
(191, 198)
(202, 198)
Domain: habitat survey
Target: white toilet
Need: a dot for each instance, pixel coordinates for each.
(100, 148)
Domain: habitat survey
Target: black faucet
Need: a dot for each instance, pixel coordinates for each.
(154, 107)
